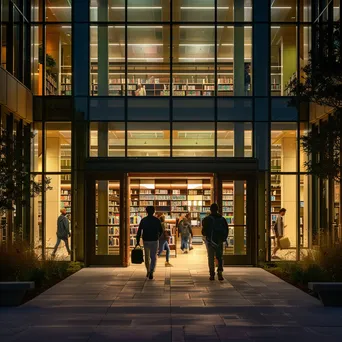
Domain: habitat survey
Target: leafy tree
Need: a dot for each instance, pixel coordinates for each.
(321, 84)
(16, 184)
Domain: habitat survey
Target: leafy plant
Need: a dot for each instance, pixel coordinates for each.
(321, 84)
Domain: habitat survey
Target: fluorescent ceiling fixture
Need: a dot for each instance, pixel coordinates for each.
(202, 8)
(123, 44)
(196, 45)
(66, 27)
(131, 7)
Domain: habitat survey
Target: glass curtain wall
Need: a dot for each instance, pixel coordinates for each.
(166, 48)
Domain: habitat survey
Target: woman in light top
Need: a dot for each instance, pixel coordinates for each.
(141, 91)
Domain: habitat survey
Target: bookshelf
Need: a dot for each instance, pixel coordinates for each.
(171, 198)
(50, 85)
(113, 220)
(66, 199)
(228, 211)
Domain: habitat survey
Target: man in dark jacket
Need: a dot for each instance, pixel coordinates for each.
(63, 232)
(215, 230)
(151, 231)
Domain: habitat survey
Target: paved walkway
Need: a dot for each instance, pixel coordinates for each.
(181, 304)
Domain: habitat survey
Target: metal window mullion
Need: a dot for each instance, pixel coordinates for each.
(215, 83)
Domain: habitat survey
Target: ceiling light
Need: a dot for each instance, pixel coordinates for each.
(202, 8)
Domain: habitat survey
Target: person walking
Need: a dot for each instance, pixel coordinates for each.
(63, 232)
(215, 231)
(278, 230)
(150, 229)
(186, 233)
(164, 242)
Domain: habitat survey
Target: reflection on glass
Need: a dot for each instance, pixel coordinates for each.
(57, 60)
(284, 147)
(148, 139)
(234, 211)
(107, 221)
(225, 139)
(58, 10)
(37, 59)
(193, 60)
(107, 60)
(148, 60)
(58, 147)
(193, 139)
(283, 58)
(284, 10)
(37, 218)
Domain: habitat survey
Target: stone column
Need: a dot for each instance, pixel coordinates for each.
(239, 138)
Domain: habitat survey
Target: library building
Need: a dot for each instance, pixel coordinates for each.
(121, 104)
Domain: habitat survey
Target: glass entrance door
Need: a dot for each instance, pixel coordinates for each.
(105, 222)
(237, 206)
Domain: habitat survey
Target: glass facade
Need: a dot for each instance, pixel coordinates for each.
(212, 80)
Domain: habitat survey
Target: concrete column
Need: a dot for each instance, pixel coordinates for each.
(289, 187)
(53, 196)
(239, 139)
(239, 50)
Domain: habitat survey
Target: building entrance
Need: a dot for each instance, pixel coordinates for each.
(117, 204)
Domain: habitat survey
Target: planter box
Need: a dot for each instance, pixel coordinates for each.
(12, 293)
(330, 294)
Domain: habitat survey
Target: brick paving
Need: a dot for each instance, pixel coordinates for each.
(180, 304)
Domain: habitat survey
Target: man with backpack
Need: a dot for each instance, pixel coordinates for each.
(215, 230)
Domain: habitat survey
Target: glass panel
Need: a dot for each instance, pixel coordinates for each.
(107, 139)
(37, 59)
(193, 60)
(234, 58)
(234, 109)
(58, 147)
(194, 10)
(148, 110)
(3, 45)
(280, 13)
(284, 147)
(36, 10)
(58, 60)
(304, 214)
(114, 11)
(306, 13)
(234, 211)
(148, 60)
(283, 58)
(196, 109)
(305, 48)
(231, 10)
(303, 156)
(225, 139)
(281, 111)
(284, 195)
(107, 60)
(17, 38)
(58, 10)
(337, 4)
(37, 218)
(148, 139)
(148, 10)
(107, 222)
(37, 148)
(107, 109)
(261, 109)
(193, 139)
(57, 209)
(337, 229)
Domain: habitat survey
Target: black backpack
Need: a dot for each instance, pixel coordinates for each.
(137, 255)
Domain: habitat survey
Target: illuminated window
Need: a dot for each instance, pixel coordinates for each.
(193, 139)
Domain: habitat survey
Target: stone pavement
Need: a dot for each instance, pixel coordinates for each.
(180, 304)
